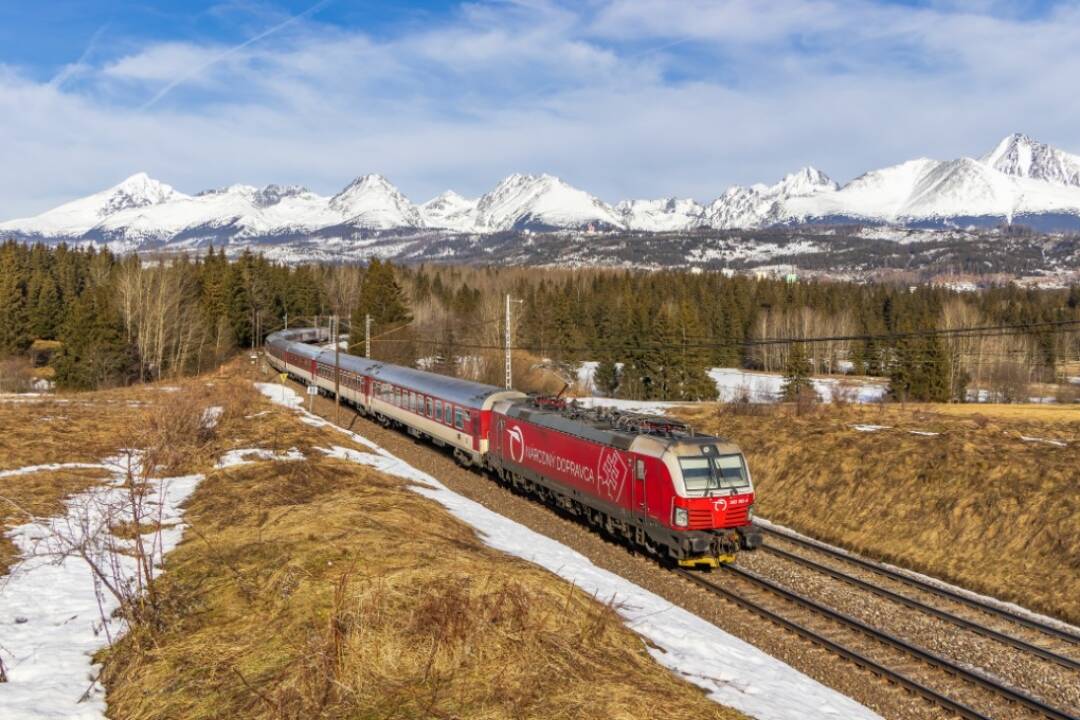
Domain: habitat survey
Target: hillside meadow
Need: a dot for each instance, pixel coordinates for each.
(987, 497)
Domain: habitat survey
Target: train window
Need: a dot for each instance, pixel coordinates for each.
(639, 469)
(397, 396)
(449, 415)
(438, 410)
(430, 406)
(414, 402)
(460, 419)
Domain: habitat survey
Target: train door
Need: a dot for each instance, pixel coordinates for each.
(496, 440)
(475, 430)
(638, 485)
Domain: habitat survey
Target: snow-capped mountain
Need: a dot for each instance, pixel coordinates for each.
(665, 215)
(372, 202)
(541, 202)
(1020, 156)
(450, 211)
(1020, 180)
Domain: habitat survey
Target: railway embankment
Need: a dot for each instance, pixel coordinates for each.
(982, 496)
(312, 584)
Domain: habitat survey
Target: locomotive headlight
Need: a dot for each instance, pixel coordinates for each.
(682, 517)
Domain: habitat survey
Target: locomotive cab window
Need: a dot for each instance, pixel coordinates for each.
(705, 473)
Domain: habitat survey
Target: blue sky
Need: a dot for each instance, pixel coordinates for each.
(624, 98)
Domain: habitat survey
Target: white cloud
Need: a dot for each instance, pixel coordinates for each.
(624, 98)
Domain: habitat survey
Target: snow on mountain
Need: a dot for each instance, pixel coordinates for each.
(1020, 156)
(370, 201)
(665, 215)
(80, 216)
(758, 205)
(450, 211)
(1019, 178)
(541, 202)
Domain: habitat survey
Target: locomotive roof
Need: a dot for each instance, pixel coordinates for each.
(580, 426)
(601, 428)
(461, 392)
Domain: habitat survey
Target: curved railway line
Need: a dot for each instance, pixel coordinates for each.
(955, 687)
(970, 694)
(973, 603)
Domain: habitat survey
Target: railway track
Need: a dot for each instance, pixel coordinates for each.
(997, 635)
(1063, 636)
(971, 695)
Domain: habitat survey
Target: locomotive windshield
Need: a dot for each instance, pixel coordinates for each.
(705, 473)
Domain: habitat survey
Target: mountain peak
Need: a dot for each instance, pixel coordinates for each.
(139, 190)
(806, 181)
(1021, 156)
(373, 201)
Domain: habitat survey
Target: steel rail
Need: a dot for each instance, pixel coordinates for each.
(879, 568)
(1009, 693)
(859, 659)
(928, 609)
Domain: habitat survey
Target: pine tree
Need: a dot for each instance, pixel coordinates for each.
(94, 352)
(797, 370)
(14, 319)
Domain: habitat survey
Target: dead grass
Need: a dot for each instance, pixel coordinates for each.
(976, 504)
(326, 589)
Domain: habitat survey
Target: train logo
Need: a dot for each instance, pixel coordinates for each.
(719, 505)
(611, 473)
(516, 443)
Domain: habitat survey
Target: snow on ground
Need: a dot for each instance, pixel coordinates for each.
(758, 387)
(244, 456)
(1000, 604)
(871, 428)
(641, 406)
(1047, 441)
(211, 416)
(52, 620)
(925, 433)
(49, 468)
(730, 670)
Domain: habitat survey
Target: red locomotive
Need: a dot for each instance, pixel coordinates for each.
(649, 479)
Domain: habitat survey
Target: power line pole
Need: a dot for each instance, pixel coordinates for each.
(337, 371)
(286, 319)
(509, 344)
(367, 335)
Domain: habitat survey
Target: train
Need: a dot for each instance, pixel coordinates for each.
(684, 497)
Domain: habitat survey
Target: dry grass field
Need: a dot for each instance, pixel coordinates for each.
(990, 500)
(320, 588)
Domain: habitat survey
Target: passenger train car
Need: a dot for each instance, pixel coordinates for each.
(649, 479)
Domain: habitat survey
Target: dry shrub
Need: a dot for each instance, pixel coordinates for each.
(975, 505)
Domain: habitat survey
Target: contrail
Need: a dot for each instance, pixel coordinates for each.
(69, 70)
(236, 48)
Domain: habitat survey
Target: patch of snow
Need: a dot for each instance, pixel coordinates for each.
(734, 384)
(50, 467)
(211, 416)
(246, 456)
(1045, 441)
(52, 618)
(925, 433)
(871, 428)
(652, 407)
(730, 670)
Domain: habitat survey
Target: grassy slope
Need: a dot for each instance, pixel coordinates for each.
(325, 589)
(976, 504)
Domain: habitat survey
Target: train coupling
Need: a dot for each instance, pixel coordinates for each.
(710, 561)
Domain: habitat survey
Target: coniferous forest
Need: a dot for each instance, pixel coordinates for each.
(108, 320)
